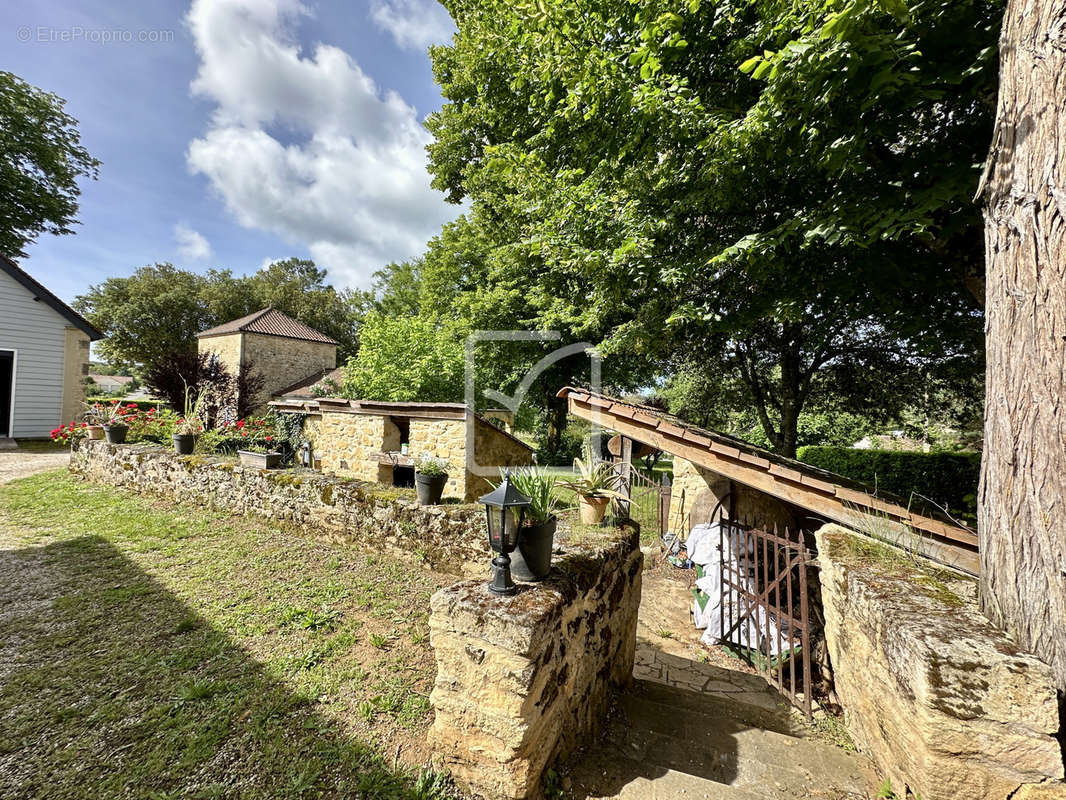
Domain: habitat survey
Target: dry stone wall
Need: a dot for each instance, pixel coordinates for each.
(944, 703)
(524, 680)
(446, 538)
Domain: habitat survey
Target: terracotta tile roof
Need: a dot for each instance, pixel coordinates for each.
(809, 487)
(302, 388)
(269, 322)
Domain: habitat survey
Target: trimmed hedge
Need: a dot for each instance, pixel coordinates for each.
(947, 479)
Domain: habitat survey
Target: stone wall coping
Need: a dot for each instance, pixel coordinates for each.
(523, 622)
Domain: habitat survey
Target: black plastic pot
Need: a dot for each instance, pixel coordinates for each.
(429, 488)
(184, 443)
(116, 434)
(532, 561)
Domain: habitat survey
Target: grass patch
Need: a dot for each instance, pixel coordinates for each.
(151, 650)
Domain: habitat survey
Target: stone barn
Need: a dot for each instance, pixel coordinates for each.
(281, 349)
(381, 442)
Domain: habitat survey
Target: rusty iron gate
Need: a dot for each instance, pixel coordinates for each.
(645, 499)
(764, 617)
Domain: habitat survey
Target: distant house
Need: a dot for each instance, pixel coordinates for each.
(284, 351)
(44, 356)
(110, 384)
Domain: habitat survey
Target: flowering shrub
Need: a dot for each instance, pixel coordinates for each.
(65, 434)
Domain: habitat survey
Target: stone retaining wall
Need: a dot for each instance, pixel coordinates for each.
(943, 702)
(447, 538)
(524, 680)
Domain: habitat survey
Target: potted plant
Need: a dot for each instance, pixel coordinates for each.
(95, 414)
(189, 426)
(431, 475)
(114, 422)
(595, 486)
(260, 456)
(532, 559)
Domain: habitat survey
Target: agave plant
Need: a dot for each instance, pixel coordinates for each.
(541, 488)
(595, 479)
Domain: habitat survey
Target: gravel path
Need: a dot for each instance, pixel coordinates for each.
(19, 464)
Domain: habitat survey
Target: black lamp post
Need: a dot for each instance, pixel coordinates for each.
(505, 507)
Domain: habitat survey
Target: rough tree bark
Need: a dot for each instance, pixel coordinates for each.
(1022, 511)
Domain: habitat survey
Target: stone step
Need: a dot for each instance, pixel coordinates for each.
(735, 708)
(674, 736)
(624, 779)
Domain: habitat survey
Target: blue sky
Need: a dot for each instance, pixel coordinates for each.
(238, 132)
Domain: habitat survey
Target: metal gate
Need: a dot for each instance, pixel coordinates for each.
(645, 500)
(764, 606)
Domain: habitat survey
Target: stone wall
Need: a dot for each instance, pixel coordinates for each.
(524, 680)
(283, 361)
(943, 702)
(228, 348)
(75, 369)
(347, 440)
(696, 491)
(447, 538)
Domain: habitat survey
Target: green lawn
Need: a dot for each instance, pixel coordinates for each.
(149, 651)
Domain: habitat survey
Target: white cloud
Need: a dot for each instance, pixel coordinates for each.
(192, 246)
(414, 24)
(307, 146)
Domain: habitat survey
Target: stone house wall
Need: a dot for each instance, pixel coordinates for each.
(75, 368)
(281, 361)
(944, 703)
(447, 538)
(527, 679)
(696, 491)
(346, 442)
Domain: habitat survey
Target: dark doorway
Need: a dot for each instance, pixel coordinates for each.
(7, 385)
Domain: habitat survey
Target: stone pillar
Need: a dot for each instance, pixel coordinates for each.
(944, 703)
(525, 680)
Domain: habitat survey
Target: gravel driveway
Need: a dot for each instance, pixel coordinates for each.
(19, 463)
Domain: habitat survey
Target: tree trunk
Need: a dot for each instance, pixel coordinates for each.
(557, 417)
(1022, 509)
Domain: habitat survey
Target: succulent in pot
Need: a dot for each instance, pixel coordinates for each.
(431, 476)
(111, 418)
(532, 559)
(596, 485)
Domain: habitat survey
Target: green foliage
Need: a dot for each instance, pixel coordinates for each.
(542, 488)
(407, 358)
(41, 159)
(159, 309)
(947, 479)
(780, 189)
(432, 467)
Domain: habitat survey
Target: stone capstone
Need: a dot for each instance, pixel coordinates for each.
(944, 703)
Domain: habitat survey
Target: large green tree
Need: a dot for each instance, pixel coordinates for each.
(781, 187)
(41, 159)
(160, 308)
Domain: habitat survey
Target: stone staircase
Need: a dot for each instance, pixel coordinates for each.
(667, 742)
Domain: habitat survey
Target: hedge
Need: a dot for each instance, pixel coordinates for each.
(947, 479)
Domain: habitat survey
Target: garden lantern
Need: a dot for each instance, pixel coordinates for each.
(505, 507)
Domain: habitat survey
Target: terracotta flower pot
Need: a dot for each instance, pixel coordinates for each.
(592, 509)
(95, 432)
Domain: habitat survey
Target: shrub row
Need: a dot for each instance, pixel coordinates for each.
(947, 479)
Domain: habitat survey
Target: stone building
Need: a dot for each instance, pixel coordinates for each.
(366, 439)
(284, 351)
